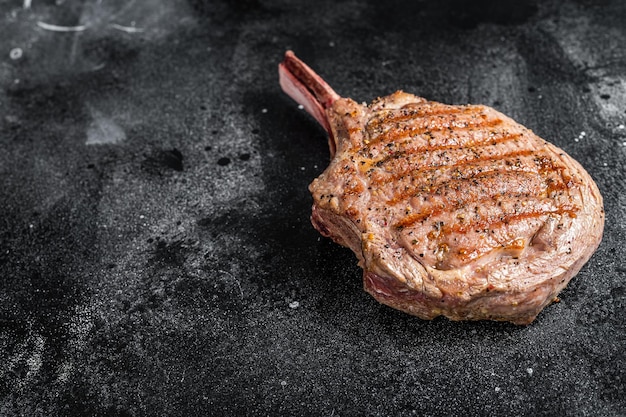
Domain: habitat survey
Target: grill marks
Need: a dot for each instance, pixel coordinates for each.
(437, 125)
(385, 118)
(486, 189)
(484, 214)
(416, 156)
(460, 161)
(439, 167)
(516, 174)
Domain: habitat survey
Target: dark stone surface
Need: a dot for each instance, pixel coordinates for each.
(156, 256)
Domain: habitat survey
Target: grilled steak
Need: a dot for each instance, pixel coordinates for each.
(451, 210)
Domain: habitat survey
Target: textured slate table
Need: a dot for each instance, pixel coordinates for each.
(156, 256)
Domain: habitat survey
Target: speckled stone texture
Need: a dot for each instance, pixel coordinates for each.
(156, 254)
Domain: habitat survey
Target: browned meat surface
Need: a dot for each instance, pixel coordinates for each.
(451, 210)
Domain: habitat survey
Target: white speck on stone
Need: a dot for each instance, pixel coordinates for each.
(576, 139)
(16, 53)
(497, 389)
(64, 372)
(263, 110)
(331, 44)
(11, 119)
(103, 130)
(583, 133)
(529, 371)
(300, 106)
(141, 216)
(283, 383)
(34, 362)
(605, 164)
(294, 304)
(620, 126)
(302, 168)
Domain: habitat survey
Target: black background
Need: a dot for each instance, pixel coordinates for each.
(154, 221)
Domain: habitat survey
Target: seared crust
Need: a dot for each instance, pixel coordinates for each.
(455, 210)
